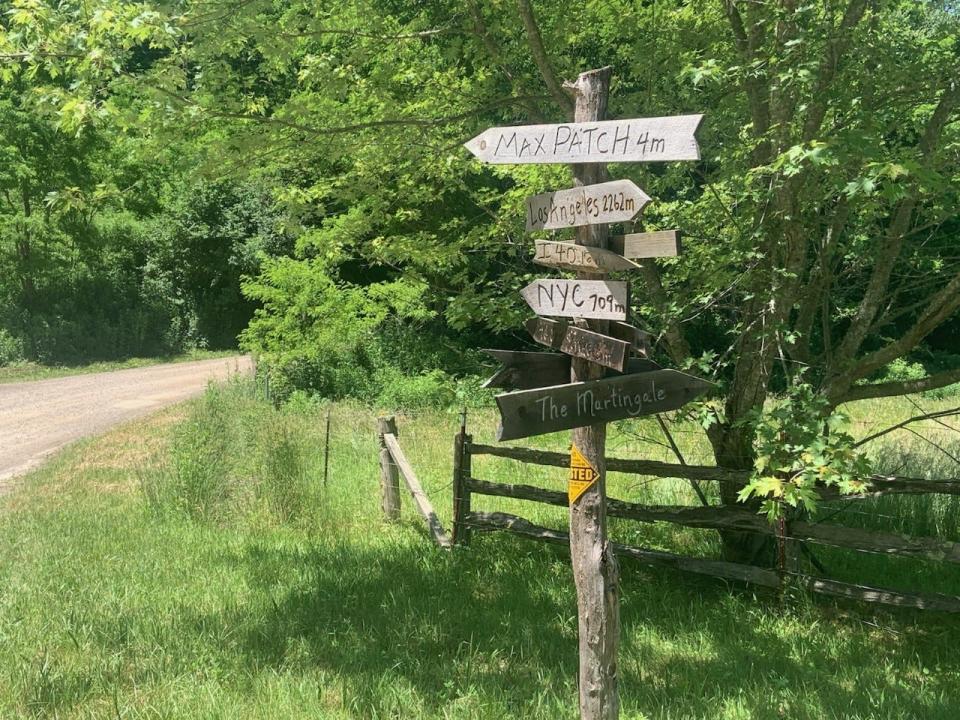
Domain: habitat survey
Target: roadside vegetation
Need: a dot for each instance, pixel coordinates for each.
(195, 565)
(22, 371)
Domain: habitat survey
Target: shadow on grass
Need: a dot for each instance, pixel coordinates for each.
(499, 621)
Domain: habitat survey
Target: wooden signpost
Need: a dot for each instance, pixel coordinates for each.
(636, 140)
(601, 299)
(609, 202)
(568, 256)
(635, 246)
(562, 407)
(583, 400)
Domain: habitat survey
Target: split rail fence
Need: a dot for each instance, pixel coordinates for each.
(792, 533)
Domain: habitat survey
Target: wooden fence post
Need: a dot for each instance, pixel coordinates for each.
(389, 475)
(461, 491)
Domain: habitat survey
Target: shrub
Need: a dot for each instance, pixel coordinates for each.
(11, 349)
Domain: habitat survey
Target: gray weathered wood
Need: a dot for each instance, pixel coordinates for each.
(727, 570)
(600, 299)
(597, 348)
(636, 246)
(461, 490)
(882, 484)
(526, 370)
(569, 256)
(720, 517)
(591, 141)
(595, 570)
(548, 332)
(638, 339)
(389, 476)
(420, 499)
(562, 407)
(609, 202)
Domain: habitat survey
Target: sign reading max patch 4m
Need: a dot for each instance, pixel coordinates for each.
(637, 140)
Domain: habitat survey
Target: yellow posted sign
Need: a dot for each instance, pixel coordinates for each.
(582, 475)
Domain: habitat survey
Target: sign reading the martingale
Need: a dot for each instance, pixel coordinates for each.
(609, 202)
(638, 140)
(599, 299)
(579, 257)
(563, 407)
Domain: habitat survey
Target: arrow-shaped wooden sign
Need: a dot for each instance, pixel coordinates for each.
(580, 342)
(526, 370)
(638, 339)
(662, 243)
(609, 202)
(562, 407)
(601, 299)
(635, 140)
(579, 257)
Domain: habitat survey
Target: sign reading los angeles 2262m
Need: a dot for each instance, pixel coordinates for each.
(637, 140)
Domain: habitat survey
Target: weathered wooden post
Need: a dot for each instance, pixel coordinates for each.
(461, 493)
(594, 564)
(389, 475)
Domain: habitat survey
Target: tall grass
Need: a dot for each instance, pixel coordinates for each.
(285, 599)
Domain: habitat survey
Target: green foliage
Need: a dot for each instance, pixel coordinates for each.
(11, 348)
(799, 444)
(229, 462)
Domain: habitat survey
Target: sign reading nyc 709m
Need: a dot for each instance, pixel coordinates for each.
(637, 140)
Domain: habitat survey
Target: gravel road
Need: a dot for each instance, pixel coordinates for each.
(37, 418)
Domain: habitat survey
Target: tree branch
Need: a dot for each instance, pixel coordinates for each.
(837, 46)
(886, 259)
(916, 418)
(901, 387)
(539, 53)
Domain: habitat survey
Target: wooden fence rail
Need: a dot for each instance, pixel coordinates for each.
(390, 462)
(394, 465)
(711, 517)
(882, 484)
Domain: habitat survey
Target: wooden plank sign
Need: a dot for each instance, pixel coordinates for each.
(663, 243)
(638, 339)
(600, 299)
(526, 370)
(609, 202)
(595, 347)
(636, 140)
(562, 407)
(579, 257)
(580, 342)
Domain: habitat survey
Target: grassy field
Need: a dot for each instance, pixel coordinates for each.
(24, 371)
(195, 566)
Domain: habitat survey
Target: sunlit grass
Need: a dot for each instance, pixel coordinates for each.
(112, 606)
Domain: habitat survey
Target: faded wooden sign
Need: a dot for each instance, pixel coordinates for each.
(563, 407)
(635, 140)
(662, 243)
(525, 370)
(580, 342)
(600, 299)
(638, 339)
(579, 257)
(609, 202)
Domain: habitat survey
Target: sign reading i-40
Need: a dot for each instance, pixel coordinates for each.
(637, 140)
